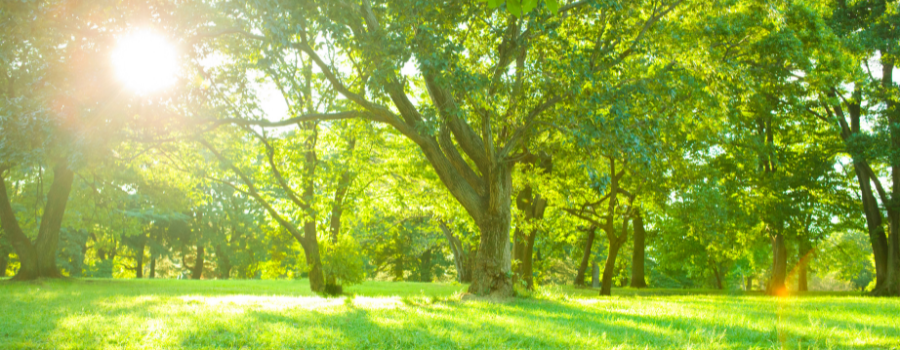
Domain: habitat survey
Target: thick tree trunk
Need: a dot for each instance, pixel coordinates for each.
(311, 248)
(25, 251)
(609, 267)
(586, 256)
(892, 284)
(805, 254)
(48, 233)
(779, 266)
(491, 275)
(637, 257)
(718, 276)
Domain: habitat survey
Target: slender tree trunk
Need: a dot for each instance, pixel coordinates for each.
(4, 262)
(779, 266)
(152, 266)
(197, 270)
(719, 285)
(749, 286)
(637, 257)
(528, 261)
(609, 267)
(425, 266)
(586, 256)
(139, 256)
(805, 254)
(462, 258)
(518, 253)
(223, 261)
(874, 225)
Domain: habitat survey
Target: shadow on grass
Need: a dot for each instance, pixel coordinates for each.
(200, 314)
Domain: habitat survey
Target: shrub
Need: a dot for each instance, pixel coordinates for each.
(342, 261)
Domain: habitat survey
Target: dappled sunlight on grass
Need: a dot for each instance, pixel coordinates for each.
(384, 315)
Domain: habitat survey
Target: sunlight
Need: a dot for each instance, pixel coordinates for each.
(145, 62)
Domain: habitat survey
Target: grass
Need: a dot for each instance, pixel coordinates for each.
(177, 314)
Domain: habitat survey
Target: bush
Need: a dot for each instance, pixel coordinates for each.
(342, 261)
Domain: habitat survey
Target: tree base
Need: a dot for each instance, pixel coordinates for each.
(333, 289)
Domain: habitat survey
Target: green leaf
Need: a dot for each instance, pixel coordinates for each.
(494, 3)
(553, 5)
(514, 7)
(528, 6)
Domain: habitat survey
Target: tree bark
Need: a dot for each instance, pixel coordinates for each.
(25, 251)
(609, 267)
(425, 266)
(805, 254)
(4, 262)
(718, 276)
(586, 256)
(528, 260)
(311, 248)
(152, 266)
(779, 266)
(48, 233)
(637, 257)
(463, 258)
(223, 261)
(197, 270)
(615, 242)
(491, 275)
(892, 111)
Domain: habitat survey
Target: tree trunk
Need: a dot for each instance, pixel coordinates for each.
(874, 225)
(25, 251)
(749, 286)
(609, 267)
(425, 266)
(4, 262)
(152, 266)
(223, 261)
(892, 284)
(595, 275)
(139, 264)
(197, 270)
(805, 254)
(311, 247)
(586, 256)
(779, 266)
(528, 261)
(48, 233)
(462, 257)
(719, 285)
(518, 253)
(637, 257)
(491, 275)
(139, 256)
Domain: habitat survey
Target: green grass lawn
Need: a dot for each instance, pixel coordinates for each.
(176, 314)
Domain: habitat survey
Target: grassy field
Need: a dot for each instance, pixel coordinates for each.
(176, 314)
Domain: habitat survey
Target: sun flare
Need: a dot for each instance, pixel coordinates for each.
(145, 62)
